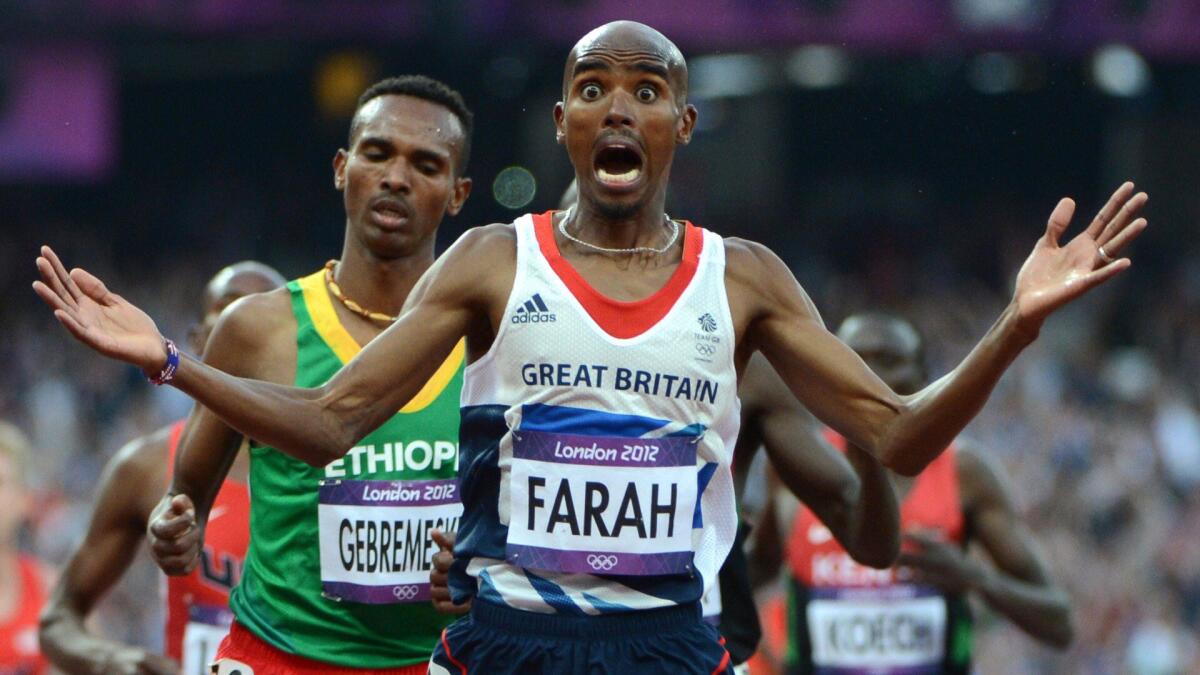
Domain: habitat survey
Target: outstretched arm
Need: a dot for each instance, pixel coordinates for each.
(907, 432)
(314, 425)
(851, 494)
(1018, 584)
(113, 539)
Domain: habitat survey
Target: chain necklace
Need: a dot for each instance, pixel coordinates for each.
(350, 304)
(562, 227)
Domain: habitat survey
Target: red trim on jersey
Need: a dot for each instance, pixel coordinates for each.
(19, 651)
(933, 503)
(724, 659)
(242, 645)
(619, 318)
(226, 537)
(446, 646)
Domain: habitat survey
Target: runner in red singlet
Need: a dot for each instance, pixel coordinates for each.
(197, 604)
(841, 617)
(22, 581)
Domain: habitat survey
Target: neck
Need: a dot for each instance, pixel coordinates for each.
(646, 227)
(379, 284)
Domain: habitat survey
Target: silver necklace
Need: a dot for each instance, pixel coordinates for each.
(562, 227)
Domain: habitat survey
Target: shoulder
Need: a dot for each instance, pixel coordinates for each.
(743, 254)
(251, 329)
(497, 238)
(142, 462)
(479, 263)
(980, 476)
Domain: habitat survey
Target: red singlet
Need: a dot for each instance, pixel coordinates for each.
(19, 653)
(198, 615)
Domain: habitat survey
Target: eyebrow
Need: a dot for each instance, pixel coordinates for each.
(590, 64)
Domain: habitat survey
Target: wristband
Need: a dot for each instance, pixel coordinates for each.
(172, 365)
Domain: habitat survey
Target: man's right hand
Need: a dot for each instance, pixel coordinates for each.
(439, 576)
(174, 535)
(137, 661)
(98, 318)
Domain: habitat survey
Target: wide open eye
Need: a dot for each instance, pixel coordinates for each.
(590, 91)
(647, 94)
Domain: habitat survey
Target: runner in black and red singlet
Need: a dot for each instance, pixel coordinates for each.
(197, 604)
(840, 617)
(22, 577)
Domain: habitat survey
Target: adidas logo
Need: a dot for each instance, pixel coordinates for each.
(533, 311)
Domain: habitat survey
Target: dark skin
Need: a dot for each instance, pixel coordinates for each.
(403, 156)
(466, 293)
(1017, 582)
(119, 521)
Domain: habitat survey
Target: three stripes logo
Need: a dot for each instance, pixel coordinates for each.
(534, 310)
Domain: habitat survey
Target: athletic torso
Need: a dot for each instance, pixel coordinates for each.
(849, 618)
(19, 653)
(597, 437)
(338, 564)
(198, 614)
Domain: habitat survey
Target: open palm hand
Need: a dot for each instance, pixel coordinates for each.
(100, 319)
(1055, 274)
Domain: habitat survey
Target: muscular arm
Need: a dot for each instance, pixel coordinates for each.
(113, 538)
(904, 432)
(851, 494)
(318, 425)
(1019, 585)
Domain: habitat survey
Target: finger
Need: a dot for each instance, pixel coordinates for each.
(172, 527)
(60, 271)
(52, 280)
(1123, 218)
(91, 286)
(1113, 246)
(442, 560)
(1060, 218)
(445, 541)
(185, 548)
(181, 504)
(1110, 209)
(51, 297)
(177, 566)
(1099, 276)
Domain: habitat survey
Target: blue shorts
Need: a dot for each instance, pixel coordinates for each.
(496, 640)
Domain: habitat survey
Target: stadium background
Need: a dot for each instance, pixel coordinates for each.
(898, 154)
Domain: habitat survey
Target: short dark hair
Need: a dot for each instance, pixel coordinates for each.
(423, 87)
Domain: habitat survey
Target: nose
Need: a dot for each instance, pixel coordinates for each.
(620, 111)
(397, 177)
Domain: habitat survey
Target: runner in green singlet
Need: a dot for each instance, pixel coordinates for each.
(337, 572)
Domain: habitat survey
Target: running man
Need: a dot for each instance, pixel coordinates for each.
(197, 604)
(23, 580)
(841, 617)
(337, 570)
(600, 407)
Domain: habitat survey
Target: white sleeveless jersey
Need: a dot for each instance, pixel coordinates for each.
(597, 437)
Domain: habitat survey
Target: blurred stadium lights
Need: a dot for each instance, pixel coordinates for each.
(1118, 70)
(1000, 14)
(994, 73)
(728, 75)
(339, 79)
(818, 67)
(514, 187)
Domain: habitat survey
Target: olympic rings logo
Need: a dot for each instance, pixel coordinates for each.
(707, 350)
(405, 592)
(601, 562)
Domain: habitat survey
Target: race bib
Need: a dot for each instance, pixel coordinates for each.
(901, 628)
(207, 626)
(599, 504)
(374, 537)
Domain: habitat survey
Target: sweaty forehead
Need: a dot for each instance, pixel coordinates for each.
(398, 117)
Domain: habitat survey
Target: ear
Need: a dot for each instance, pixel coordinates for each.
(687, 124)
(560, 134)
(339, 169)
(462, 190)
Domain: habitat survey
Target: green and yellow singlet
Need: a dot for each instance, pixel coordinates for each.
(338, 564)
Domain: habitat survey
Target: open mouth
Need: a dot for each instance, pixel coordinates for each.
(618, 165)
(389, 213)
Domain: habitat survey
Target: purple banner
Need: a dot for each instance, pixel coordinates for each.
(886, 593)
(600, 562)
(544, 446)
(889, 670)
(388, 492)
(376, 595)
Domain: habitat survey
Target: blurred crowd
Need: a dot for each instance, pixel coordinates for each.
(1097, 426)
